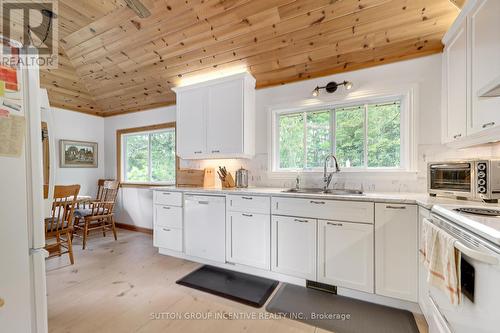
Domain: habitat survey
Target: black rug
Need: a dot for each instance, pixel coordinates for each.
(239, 287)
(339, 314)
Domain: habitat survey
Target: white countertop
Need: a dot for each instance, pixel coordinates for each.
(421, 199)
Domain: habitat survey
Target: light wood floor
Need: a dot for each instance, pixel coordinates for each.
(118, 287)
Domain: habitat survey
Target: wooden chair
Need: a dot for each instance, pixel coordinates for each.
(59, 227)
(100, 213)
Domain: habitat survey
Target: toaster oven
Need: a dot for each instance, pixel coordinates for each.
(468, 179)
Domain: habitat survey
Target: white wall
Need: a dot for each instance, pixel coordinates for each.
(424, 73)
(70, 125)
(135, 205)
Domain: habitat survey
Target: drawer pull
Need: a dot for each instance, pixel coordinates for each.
(334, 224)
(166, 193)
(203, 202)
(247, 198)
(317, 202)
(198, 152)
(489, 124)
(165, 207)
(247, 215)
(395, 207)
(457, 136)
(230, 263)
(301, 221)
(165, 229)
(215, 151)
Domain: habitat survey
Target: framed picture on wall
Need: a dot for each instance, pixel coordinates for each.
(78, 154)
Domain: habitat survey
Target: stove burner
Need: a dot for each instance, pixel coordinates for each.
(479, 211)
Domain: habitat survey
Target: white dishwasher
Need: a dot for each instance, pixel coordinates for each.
(205, 226)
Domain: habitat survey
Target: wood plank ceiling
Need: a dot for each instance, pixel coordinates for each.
(114, 62)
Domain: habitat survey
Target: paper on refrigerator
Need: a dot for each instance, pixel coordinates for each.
(12, 130)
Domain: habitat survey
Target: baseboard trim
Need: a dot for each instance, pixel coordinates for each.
(134, 228)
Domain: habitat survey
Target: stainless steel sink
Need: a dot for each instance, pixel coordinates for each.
(321, 191)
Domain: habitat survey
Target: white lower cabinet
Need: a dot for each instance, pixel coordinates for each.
(396, 252)
(345, 254)
(293, 244)
(168, 238)
(248, 239)
(168, 220)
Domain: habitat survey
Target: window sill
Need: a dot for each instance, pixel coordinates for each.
(348, 172)
(144, 185)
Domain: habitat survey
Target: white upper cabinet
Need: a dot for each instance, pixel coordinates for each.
(225, 118)
(455, 91)
(471, 64)
(216, 119)
(192, 132)
(485, 61)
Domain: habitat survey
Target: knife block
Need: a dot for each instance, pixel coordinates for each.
(229, 182)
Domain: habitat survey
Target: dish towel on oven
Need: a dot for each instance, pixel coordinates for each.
(442, 260)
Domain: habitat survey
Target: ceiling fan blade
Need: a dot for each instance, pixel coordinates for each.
(138, 7)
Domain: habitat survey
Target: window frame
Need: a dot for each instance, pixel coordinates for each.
(408, 127)
(121, 151)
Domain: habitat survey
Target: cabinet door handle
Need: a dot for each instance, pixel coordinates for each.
(203, 202)
(334, 224)
(247, 215)
(247, 198)
(165, 229)
(395, 207)
(459, 135)
(301, 221)
(489, 124)
(317, 202)
(198, 152)
(165, 207)
(215, 151)
(165, 193)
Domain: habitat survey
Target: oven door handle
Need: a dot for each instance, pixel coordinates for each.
(456, 166)
(475, 254)
(478, 255)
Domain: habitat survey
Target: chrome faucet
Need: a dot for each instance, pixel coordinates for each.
(328, 178)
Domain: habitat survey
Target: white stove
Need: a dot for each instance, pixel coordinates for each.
(476, 228)
(482, 220)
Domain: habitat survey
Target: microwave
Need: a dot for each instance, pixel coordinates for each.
(468, 179)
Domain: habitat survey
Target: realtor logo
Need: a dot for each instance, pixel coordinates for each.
(29, 33)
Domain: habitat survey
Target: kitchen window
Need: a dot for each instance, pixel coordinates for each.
(364, 135)
(148, 155)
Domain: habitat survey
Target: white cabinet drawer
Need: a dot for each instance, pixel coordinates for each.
(248, 203)
(168, 216)
(350, 211)
(168, 198)
(168, 238)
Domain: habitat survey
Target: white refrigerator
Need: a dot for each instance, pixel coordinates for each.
(23, 293)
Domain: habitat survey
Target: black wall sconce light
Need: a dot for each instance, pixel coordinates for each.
(332, 87)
